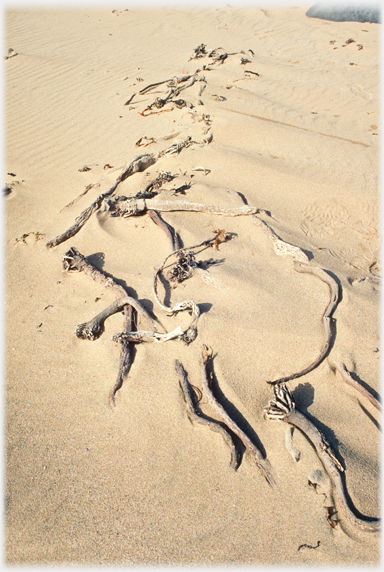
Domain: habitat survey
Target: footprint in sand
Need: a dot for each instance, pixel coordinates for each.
(322, 218)
(349, 233)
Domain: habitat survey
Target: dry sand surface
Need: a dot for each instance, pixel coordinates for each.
(295, 133)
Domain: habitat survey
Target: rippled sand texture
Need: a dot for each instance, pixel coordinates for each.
(295, 132)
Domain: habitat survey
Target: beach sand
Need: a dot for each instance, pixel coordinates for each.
(295, 133)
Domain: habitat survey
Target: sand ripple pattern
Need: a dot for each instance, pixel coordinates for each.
(330, 223)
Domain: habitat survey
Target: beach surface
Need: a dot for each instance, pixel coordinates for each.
(286, 122)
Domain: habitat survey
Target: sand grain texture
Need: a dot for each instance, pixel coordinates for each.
(139, 484)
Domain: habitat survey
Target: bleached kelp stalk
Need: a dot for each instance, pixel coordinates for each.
(74, 261)
(327, 317)
(283, 408)
(196, 415)
(138, 164)
(207, 379)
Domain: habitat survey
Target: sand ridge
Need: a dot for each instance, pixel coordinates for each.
(139, 484)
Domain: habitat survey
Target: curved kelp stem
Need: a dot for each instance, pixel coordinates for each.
(169, 231)
(190, 334)
(334, 287)
(138, 164)
(283, 408)
(348, 379)
(207, 379)
(135, 206)
(195, 415)
(74, 261)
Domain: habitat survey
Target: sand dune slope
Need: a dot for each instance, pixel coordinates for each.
(287, 122)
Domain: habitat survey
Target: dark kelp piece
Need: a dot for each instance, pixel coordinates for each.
(283, 408)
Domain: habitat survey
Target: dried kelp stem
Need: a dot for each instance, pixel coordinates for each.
(87, 188)
(170, 232)
(171, 83)
(325, 277)
(137, 337)
(195, 414)
(91, 330)
(134, 206)
(279, 245)
(138, 164)
(185, 266)
(218, 408)
(355, 384)
(334, 287)
(125, 361)
(283, 407)
(295, 453)
(190, 305)
(176, 147)
(130, 99)
(74, 261)
(175, 90)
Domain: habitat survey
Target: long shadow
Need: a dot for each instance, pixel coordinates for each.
(204, 307)
(364, 384)
(232, 411)
(304, 397)
(239, 446)
(371, 417)
(204, 264)
(98, 260)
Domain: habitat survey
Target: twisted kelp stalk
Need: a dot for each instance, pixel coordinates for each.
(207, 378)
(134, 206)
(74, 261)
(283, 408)
(138, 164)
(335, 294)
(195, 414)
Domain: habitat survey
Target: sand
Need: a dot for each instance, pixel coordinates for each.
(136, 484)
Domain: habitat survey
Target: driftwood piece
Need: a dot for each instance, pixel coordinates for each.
(137, 165)
(283, 408)
(74, 261)
(334, 287)
(346, 376)
(125, 361)
(134, 206)
(92, 330)
(137, 337)
(191, 333)
(195, 415)
(169, 231)
(207, 379)
(295, 453)
(279, 245)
